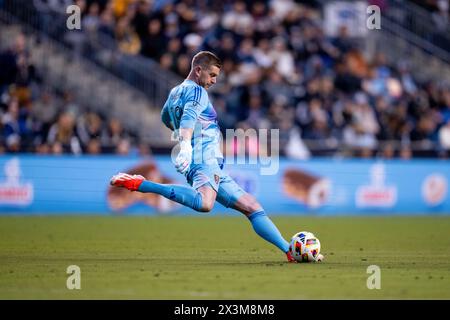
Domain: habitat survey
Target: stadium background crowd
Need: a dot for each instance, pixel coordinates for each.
(279, 71)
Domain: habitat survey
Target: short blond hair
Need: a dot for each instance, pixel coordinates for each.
(206, 59)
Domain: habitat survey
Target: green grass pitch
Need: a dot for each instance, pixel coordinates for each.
(220, 257)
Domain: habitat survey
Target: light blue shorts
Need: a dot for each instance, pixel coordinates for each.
(228, 191)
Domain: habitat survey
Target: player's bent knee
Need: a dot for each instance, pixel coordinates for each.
(208, 199)
(255, 206)
(247, 204)
(207, 205)
(206, 208)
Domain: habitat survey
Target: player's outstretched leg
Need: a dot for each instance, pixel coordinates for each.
(267, 230)
(261, 223)
(182, 194)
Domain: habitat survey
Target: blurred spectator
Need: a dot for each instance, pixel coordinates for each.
(123, 147)
(106, 24)
(144, 150)
(256, 113)
(94, 147)
(238, 19)
(91, 21)
(89, 127)
(343, 42)
(62, 135)
(17, 127)
(284, 60)
(113, 135)
(153, 43)
(45, 110)
(261, 54)
(183, 65)
(43, 149)
(441, 17)
(127, 40)
(444, 137)
(15, 65)
(167, 62)
(405, 152)
(388, 151)
(295, 147)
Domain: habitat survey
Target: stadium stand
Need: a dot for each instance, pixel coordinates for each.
(280, 70)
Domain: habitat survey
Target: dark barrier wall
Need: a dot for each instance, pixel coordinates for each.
(80, 185)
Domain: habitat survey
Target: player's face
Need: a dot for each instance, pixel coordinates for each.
(208, 76)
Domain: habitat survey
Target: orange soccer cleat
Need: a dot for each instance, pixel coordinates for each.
(125, 180)
(290, 257)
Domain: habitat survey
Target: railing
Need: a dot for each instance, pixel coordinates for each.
(395, 27)
(430, 48)
(401, 45)
(419, 22)
(142, 73)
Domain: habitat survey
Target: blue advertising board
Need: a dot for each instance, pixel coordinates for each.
(31, 184)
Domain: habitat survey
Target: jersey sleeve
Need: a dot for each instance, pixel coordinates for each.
(165, 116)
(196, 101)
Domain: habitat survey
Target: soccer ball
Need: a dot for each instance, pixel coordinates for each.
(305, 247)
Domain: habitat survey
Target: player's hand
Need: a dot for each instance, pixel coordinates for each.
(184, 158)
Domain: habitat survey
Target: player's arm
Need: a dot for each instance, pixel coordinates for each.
(197, 102)
(185, 134)
(165, 116)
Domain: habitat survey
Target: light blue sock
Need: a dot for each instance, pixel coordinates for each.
(185, 195)
(267, 230)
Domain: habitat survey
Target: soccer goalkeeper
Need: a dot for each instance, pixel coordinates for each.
(189, 112)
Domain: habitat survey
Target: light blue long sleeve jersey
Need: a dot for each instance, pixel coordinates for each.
(188, 106)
